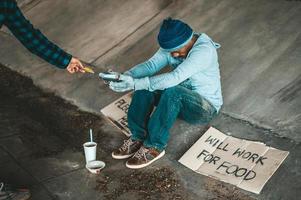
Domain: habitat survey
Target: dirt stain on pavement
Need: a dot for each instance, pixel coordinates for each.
(160, 183)
(224, 191)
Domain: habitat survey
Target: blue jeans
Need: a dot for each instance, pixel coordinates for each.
(153, 128)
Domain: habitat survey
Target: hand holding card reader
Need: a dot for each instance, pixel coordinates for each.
(110, 76)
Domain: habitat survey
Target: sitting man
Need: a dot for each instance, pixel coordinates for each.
(191, 91)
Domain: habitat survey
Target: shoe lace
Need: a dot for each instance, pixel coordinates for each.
(126, 144)
(141, 153)
(6, 191)
(6, 187)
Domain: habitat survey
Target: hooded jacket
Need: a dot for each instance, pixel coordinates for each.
(199, 71)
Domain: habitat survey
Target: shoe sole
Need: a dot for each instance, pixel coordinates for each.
(121, 157)
(146, 164)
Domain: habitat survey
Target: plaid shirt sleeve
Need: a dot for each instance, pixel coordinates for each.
(32, 38)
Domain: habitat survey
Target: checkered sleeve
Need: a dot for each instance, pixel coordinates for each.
(32, 38)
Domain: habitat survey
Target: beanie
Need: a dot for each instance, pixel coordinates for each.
(174, 34)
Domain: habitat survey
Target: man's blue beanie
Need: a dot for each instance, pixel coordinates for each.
(174, 34)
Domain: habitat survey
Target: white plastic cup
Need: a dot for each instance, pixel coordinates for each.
(90, 151)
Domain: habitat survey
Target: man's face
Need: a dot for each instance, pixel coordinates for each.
(181, 53)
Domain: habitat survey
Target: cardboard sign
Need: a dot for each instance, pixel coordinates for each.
(246, 164)
(116, 113)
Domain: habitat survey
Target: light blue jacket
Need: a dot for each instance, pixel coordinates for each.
(198, 72)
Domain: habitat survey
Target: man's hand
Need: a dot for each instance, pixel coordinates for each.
(127, 83)
(75, 65)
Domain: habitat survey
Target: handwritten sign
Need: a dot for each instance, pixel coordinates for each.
(116, 113)
(246, 164)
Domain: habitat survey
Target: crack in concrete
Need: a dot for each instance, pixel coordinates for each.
(28, 5)
(257, 125)
(63, 174)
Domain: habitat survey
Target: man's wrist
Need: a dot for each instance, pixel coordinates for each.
(141, 83)
(66, 60)
(127, 73)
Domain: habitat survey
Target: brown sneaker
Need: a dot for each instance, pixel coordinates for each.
(128, 149)
(9, 192)
(144, 157)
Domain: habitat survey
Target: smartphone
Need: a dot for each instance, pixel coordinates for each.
(107, 76)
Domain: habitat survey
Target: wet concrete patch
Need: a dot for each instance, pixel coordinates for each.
(46, 125)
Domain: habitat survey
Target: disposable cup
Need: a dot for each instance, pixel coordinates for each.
(95, 166)
(90, 151)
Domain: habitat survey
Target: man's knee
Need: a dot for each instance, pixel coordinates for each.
(141, 94)
(141, 97)
(172, 92)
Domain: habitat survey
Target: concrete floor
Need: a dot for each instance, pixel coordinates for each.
(260, 67)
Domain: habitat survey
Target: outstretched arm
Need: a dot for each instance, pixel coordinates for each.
(35, 41)
(149, 67)
(199, 60)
